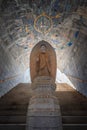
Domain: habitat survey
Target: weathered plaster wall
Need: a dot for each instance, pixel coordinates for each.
(78, 65)
(9, 71)
(73, 63)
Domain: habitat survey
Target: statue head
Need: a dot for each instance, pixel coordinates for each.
(43, 48)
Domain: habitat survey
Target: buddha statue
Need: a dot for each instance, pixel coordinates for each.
(43, 66)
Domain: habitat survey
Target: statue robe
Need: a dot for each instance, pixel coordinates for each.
(43, 65)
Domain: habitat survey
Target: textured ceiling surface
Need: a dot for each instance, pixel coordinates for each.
(23, 23)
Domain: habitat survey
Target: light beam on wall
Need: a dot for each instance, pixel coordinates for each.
(60, 77)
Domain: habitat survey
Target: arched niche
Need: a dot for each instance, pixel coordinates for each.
(33, 56)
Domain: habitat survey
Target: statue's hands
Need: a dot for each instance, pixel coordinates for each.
(37, 59)
(49, 70)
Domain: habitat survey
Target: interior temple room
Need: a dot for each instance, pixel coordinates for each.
(43, 64)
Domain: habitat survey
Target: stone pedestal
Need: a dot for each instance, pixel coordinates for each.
(44, 110)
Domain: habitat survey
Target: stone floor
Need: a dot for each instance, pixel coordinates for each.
(13, 105)
(71, 102)
(15, 101)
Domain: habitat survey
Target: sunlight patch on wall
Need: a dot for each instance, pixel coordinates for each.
(60, 77)
(27, 78)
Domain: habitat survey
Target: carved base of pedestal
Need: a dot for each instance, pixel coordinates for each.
(44, 110)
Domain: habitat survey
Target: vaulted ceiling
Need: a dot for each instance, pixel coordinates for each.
(62, 23)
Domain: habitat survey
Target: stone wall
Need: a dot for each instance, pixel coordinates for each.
(10, 73)
(78, 65)
(73, 63)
